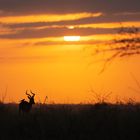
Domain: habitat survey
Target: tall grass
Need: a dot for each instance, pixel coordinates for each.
(71, 122)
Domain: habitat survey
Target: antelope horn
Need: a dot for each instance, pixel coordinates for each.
(28, 94)
(32, 93)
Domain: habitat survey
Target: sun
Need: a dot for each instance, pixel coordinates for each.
(71, 38)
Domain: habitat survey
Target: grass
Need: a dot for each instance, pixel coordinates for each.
(101, 121)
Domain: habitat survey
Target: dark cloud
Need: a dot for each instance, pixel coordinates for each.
(56, 32)
(25, 7)
(113, 12)
(102, 19)
(29, 30)
(46, 43)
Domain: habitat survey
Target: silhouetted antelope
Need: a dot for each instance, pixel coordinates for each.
(25, 106)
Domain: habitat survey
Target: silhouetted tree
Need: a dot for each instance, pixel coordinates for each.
(126, 43)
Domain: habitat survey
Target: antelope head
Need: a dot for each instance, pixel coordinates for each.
(31, 97)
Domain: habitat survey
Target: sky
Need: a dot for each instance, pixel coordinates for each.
(34, 54)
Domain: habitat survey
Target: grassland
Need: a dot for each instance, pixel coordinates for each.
(71, 122)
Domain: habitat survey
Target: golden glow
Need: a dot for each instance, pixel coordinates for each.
(47, 17)
(70, 27)
(110, 25)
(57, 66)
(71, 38)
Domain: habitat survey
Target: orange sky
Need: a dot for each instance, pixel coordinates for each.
(34, 55)
(63, 73)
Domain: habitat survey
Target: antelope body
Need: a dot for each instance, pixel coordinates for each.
(25, 106)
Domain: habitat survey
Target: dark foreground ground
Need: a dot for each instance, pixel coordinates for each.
(71, 122)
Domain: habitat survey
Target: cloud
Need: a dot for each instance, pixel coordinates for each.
(40, 30)
(80, 19)
(45, 43)
(32, 7)
(5, 30)
(55, 32)
(48, 17)
(111, 25)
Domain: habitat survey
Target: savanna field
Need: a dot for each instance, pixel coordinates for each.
(69, 69)
(100, 121)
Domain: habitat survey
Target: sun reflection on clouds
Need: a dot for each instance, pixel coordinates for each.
(47, 17)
